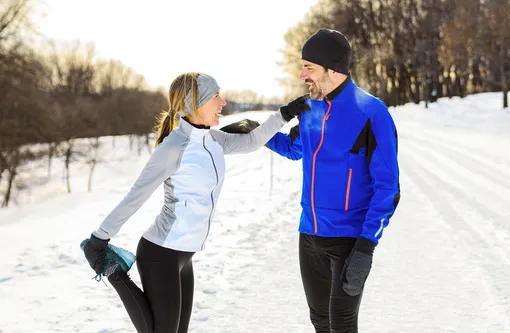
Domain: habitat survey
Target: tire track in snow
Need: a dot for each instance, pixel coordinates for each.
(430, 263)
(466, 214)
(490, 256)
(449, 170)
(469, 158)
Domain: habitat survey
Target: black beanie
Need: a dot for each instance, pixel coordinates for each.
(328, 48)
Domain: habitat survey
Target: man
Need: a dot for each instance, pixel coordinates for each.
(348, 146)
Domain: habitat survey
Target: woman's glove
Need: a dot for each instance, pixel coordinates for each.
(95, 252)
(242, 126)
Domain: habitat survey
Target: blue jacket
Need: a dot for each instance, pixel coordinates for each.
(348, 146)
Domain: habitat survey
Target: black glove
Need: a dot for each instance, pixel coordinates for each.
(95, 252)
(241, 126)
(294, 131)
(295, 107)
(357, 266)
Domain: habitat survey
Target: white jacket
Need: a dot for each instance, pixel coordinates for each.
(191, 164)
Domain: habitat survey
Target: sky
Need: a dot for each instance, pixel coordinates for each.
(442, 264)
(235, 41)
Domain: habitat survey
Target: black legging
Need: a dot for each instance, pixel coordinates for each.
(164, 305)
(321, 262)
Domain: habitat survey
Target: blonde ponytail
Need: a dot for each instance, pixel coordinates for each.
(177, 93)
(166, 123)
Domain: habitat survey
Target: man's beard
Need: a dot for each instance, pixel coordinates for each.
(321, 88)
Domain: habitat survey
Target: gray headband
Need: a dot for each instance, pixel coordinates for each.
(207, 88)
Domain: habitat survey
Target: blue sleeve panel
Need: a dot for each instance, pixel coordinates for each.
(281, 144)
(383, 168)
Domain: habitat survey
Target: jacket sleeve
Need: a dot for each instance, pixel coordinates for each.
(160, 166)
(282, 144)
(383, 166)
(249, 142)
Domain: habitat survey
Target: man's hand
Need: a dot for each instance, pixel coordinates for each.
(357, 266)
(295, 107)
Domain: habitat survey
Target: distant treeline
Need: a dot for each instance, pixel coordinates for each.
(55, 93)
(414, 50)
(404, 51)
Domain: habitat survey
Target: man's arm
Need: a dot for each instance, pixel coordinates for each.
(383, 165)
(287, 145)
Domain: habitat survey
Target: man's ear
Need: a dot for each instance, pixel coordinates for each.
(332, 74)
(335, 76)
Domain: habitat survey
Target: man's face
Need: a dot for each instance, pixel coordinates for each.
(317, 78)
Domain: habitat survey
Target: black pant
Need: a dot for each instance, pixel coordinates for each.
(321, 261)
(164, 305)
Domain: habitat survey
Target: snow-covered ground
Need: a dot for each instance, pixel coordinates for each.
(443, 264)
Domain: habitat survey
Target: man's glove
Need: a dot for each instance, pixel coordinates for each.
(95, 252)
(357, 266)
(295, 107)
(241, 126)
(294, 131)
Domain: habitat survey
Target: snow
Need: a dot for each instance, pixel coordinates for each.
(442, 265)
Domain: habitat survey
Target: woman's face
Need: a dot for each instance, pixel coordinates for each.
(209, 113)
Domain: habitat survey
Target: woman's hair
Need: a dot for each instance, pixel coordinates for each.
(177, 93)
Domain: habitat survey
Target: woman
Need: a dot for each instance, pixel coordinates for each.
(189, 160)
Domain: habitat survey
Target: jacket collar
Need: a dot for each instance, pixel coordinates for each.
(339, 89)
(192, 131)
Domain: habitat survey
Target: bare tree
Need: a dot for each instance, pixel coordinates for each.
(13, 159)
(22, 109)
(92, 158)
(413, 50)
(59, 95)
(16, 88)
(73, 74)
(14, 20)
(113, 81)
(320, 16)
(497, 19)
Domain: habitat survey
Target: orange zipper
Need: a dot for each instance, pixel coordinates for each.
(348, 190)
(326, 117)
